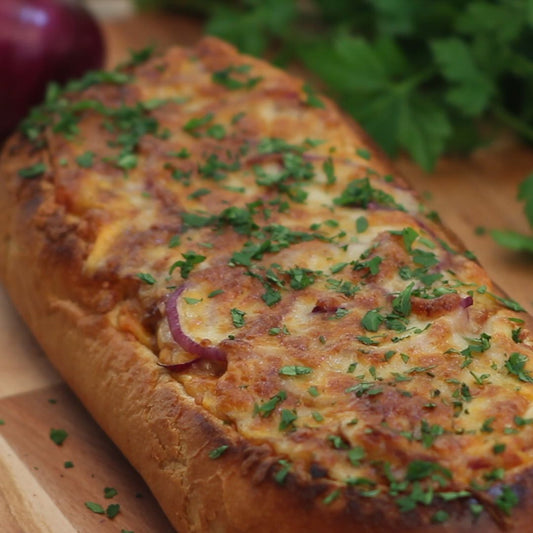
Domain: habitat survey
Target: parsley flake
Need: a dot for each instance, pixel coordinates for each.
(58, 436)
(265, 409)
(237, 317)
(516, 366)
(312, 98)
(218, 452)
(146, 277)
(86, 159)
(112, 510)
(110, 492)
(95, 507)
(191, 259)
(34, 171)
(295, 370)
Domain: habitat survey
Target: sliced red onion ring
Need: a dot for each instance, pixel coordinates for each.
(467, 301)
(213, 353)
(178, 367)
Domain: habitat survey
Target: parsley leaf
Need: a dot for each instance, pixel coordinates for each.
(218, 452)
(237, 317)
(33, 171)
(95, 507)
(512, 239)
(516, 365)
(112, 510)
(191, 259)
(295, 370)
(58, 436)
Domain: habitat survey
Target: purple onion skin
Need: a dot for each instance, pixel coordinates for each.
(212, 353)
(42, 41)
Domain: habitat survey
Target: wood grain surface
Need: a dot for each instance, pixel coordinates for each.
(39, 494)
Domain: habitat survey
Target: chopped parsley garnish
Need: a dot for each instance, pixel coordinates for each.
(138, 57)
(215, 169)
(192, 301)
(295, 370)
(191, 259)
(198, 193)
(266, 408)
(271, 296)
(507, 499)
(486, 427)
(360, 193)
(331, 497)
(33, 171)
(237, 317)
(520, 421)
(235, 77)
(218, 452)
(440, 517)
(288, 417)
(341, 312)
(475, 346)
(368, 341)
(373, 265)
(356, 454)
(183, 153)
(282, 473)
(58, 436)
(174, 241)
(361, 224)
(364, 153)
(402, 302)
(68, 464)
(146, 277)
(499, 448)
(372, 320)
(194, 220)
(337, 442)
(217, 131)
(112, 510)
(312, 98)
(196, 123)
(317, 416)
(516, 335)
(95, 507)
(110, 492)
(366, 387)
(235, 119)
(507, 302)
(419, 469)
(300, 278)
(329, 171)
(214, 293)
(86, 159)
(516, 365)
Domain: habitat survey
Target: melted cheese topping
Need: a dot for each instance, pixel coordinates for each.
(361, 345)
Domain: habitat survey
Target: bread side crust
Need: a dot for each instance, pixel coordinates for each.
(160, 429)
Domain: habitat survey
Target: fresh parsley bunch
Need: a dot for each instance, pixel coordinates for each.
(424, 77)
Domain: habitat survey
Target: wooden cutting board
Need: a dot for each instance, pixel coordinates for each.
(38, 493)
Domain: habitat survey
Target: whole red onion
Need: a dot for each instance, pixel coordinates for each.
(42, 41)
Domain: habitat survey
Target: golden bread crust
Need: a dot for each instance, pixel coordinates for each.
(364, 374)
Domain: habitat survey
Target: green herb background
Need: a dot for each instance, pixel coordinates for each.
(424, 77)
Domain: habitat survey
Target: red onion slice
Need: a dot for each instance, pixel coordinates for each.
(213, 353)
(178, 367)
(467, 301)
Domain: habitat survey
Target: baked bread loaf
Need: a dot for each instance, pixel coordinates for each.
(258, 310)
